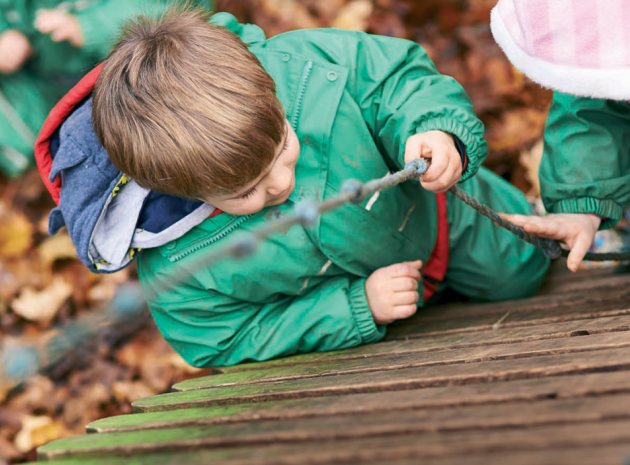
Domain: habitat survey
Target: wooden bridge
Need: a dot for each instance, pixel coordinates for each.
(542, 381)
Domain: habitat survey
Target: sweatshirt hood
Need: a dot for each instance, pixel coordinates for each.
(109, 216)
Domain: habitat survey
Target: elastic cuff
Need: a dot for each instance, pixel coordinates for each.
(368, 329)
(475, 146)
(609, 210)
(461, 149)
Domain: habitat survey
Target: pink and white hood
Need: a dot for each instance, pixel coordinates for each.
(580, 47)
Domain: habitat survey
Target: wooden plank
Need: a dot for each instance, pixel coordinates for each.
(424, 439)
(413, 358)
(560, 280)
(524, 391)
(453, 318)
(399, 379)
(610, 454)
(487, 337)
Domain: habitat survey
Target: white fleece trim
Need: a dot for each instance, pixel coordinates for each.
(115, 232)
(611, 84)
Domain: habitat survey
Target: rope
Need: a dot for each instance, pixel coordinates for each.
(19, 362)
(550, 247)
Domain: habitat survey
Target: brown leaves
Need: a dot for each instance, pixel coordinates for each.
(16, 234)
(42, 306)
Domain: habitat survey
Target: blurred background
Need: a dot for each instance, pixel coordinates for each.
(43, 285)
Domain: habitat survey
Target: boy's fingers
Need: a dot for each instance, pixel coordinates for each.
(445, 181)
(438, 167)
(404, 311)
(406, 269)
(405, 283)
(582, 244)
(405, 298)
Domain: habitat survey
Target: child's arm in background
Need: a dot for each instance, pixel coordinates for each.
(15, 49)
(586, 163)
(585, 172)
(577, 231)
(96, 28)
(60, 25)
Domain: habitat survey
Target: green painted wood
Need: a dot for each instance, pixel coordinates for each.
(529, 390)
(413, 358)
(485, 337)
(404, 378)
(347, 428)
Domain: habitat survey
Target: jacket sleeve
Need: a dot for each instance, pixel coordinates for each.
(586, 163)
(101, 22)
(400, 93)
(218, 330)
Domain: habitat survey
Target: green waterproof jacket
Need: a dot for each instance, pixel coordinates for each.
(353, 100)
(586, 164)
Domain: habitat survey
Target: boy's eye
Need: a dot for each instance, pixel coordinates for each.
(248, 194)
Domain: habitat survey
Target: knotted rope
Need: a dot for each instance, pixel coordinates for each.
(19, 362)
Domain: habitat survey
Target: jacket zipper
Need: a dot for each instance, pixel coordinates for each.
(204, 243)
(306, 74)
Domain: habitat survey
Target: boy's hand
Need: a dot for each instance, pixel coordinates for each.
(60, 25)
(14, 51)
(577, 231)
(446, 164)
(392, 291)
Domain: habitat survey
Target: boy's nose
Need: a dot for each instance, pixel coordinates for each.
(276, 189)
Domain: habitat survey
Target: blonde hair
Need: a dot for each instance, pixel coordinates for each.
(184, 108)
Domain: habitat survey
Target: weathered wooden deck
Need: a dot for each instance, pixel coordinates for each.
(540, 381)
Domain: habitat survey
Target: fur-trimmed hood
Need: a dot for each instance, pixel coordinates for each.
(580, 47)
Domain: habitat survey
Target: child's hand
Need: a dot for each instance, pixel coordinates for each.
(392, 291)
(446, 164)
(577, 231)
(14, 51)
(60, 25)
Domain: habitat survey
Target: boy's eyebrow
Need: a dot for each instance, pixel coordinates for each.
(284, 141)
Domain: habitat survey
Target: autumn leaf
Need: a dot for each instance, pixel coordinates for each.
(16, 235)
(56, 248)
(37, 430)
(42, 306)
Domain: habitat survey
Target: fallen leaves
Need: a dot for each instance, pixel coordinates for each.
(42, 306)
(37, 430)
(43, 285)
(16, 235)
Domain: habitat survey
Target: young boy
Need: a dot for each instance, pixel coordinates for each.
(45, 47)
(578, 48)
(233, 131)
